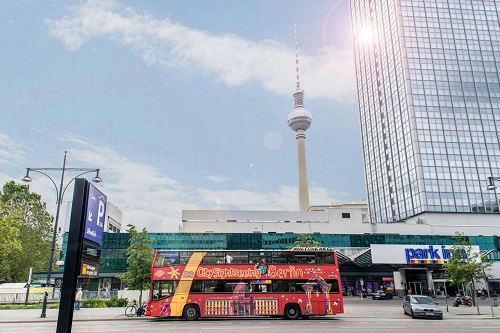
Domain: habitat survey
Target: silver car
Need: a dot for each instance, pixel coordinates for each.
(419, 306)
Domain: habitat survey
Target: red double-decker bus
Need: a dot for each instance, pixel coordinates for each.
(299, 282)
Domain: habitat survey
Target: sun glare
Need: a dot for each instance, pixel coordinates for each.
(366, 35)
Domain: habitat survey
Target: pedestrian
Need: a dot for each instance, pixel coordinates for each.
(78, 299)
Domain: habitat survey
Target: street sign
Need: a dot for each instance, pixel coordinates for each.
(95, 215)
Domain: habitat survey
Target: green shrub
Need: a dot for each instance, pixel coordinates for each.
(117, 302)
(94, 303)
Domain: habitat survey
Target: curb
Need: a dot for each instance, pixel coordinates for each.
(54, 320)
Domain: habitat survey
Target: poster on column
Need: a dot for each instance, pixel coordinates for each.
(95, 215)
(388, 283)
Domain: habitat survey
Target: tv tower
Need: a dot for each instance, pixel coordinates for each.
(299, 121)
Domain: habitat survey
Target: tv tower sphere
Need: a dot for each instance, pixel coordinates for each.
(299, 118)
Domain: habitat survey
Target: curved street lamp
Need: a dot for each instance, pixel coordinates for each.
(59, 194)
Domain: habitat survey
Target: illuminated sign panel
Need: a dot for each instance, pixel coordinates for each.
(95, 215)
(413, 254)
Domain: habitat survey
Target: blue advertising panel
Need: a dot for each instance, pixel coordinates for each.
(95, 215)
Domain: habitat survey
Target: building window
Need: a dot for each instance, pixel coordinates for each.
(346, 215)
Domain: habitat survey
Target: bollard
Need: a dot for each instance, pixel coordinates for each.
(447, 306)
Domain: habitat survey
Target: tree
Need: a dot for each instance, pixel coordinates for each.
(304, 240)
(10, 245)
(139, 259)
(465, 266)
(28, 232)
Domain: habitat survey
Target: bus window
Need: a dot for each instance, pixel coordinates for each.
(210, 286)
(162, 289)
(299, 286)
(281, 286)
(334, 286)
(256, 256)
(329, 258)
(185, 256)
(220, 287)
(160, 260)
(196, 287)
(238, 257)
(260, 286)
(213, 258)
(277, 258)
(238, 288)
(300, 259)
(167, 259)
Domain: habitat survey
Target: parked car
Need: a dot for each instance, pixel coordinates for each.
(381, 294)
(420, 306)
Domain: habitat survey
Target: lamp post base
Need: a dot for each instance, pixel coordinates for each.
(44, 305)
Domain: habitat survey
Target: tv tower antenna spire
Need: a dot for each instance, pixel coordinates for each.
(299, 121)
(296, 54)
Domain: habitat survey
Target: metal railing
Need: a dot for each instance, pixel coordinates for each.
(20, 298)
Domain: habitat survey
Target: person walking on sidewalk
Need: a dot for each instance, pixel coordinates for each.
(78, 299)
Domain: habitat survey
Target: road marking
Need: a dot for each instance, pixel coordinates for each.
(232, 328)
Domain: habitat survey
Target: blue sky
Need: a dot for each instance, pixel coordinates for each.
(182, 104)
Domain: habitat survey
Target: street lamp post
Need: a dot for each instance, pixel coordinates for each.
(60, 194)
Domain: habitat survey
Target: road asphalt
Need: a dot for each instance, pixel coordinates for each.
(353, 308)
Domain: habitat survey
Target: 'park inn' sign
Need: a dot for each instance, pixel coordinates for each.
(413, 254)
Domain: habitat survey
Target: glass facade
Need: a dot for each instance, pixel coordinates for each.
(113, 252)
(429, 104)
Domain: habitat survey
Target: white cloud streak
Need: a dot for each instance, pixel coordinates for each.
(230, 58)
(149, 198)
(11, 151)
(146, 196)
(218, 179)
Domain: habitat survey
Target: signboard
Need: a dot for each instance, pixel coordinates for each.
(413, 254)
(89, 269)
(95, 215)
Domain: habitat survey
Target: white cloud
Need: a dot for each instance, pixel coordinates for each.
(11, 151)
(232, 59)
(149, 198)
(146, 196)
(219, 178)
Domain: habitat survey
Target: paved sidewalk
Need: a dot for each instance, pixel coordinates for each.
(83, 314)
(353, 308)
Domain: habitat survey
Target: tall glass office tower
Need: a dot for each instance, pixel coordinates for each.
(429, 104)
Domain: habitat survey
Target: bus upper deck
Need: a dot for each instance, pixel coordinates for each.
(315, 255)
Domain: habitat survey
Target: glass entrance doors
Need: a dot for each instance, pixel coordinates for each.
(416, 288)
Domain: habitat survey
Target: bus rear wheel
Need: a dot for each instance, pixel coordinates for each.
(191, 312)
(292, 311)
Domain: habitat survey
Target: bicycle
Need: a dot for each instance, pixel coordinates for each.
(134, 310)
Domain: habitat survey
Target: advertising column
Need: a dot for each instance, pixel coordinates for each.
(84, 241)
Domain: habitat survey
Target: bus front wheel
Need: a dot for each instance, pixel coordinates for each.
(191, 312)
(292, 311)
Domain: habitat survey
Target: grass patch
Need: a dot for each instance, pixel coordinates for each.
(27, 307)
